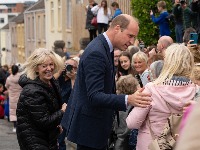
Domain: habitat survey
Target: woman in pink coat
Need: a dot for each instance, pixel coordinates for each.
(173, 86)
(14, 90)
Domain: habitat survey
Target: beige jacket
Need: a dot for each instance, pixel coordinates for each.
(14, 90)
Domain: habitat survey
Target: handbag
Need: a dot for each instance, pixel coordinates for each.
(94, 21)
(169, 134)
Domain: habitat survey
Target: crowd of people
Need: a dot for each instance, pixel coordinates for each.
(114, 95)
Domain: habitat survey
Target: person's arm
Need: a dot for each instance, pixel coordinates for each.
(95, 9)
(37, 107)
(158, 19)
(94, 70)
(137, 116)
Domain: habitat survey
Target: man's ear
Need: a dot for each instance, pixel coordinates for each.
(117, 28)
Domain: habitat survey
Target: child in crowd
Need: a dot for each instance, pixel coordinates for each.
(161, 20)
(125, 85)
(1, 102)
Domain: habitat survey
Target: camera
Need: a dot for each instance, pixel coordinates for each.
(68, 68)
(141, 46)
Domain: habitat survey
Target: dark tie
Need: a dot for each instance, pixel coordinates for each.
(112, 57)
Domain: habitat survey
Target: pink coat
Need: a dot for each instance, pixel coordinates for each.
(14, 90)
(158, 111)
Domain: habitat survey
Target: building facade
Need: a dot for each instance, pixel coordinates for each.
(35, 27)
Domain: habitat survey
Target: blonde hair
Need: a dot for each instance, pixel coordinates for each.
(195, 75)
(178, 61)
(126, 84)
(38, 57)
(141, 56)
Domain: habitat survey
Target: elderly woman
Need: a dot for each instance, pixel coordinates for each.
(169, 93)
(40, 110)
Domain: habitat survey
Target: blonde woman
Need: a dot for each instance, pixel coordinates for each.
(169, 93)
(140, 63)
(39, 110)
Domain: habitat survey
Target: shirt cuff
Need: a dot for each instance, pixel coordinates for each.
(126, 100)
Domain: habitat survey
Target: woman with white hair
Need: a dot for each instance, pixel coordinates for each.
(140, 64)
(39, 110)
(169, 93)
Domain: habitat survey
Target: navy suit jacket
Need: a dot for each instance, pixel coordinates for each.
(90, 111)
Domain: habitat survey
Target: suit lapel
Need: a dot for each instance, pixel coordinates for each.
(110, 58)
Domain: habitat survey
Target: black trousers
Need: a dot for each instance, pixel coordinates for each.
(102, 27)
(93, 34)
(81, 147)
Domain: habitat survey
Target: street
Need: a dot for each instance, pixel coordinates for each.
(7, 137)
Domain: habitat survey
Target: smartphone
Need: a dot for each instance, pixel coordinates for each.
(194, 37)
(141, 46)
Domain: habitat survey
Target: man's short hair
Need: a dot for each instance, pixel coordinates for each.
(115, 4)
(122, 21)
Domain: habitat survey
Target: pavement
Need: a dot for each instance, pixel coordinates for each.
(8, 139)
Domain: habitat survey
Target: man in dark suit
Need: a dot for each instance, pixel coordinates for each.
(90, 113)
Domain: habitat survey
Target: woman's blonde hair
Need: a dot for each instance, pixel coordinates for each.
(178, 61)
(38, 57)
(141, 56)
(195, 75)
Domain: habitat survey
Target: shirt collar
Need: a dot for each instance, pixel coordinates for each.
(109, 42)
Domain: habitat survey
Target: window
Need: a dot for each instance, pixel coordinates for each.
(33, 27)
(28, 28)
(59, 14)
(44, 29)
(39, 28)
(69, 14)
(9, 10)
(1, 20)
(52, 16)
(79, 1)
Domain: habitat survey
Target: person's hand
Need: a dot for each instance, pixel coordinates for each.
(185, 107)
(64, 106)
(136, 43)
(139, 99)
(189, 45)
(151, 12)
(60, 128)
(152, 53)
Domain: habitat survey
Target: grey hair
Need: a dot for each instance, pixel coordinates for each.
(38, 57)
(178, 61)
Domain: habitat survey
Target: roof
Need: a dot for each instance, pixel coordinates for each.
(38, 5)
(18, 19)
(5, 27)
(15, 1)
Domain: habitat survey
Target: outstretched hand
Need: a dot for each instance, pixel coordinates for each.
(139, 99)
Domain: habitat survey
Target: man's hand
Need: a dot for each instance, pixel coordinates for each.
(139, 99)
